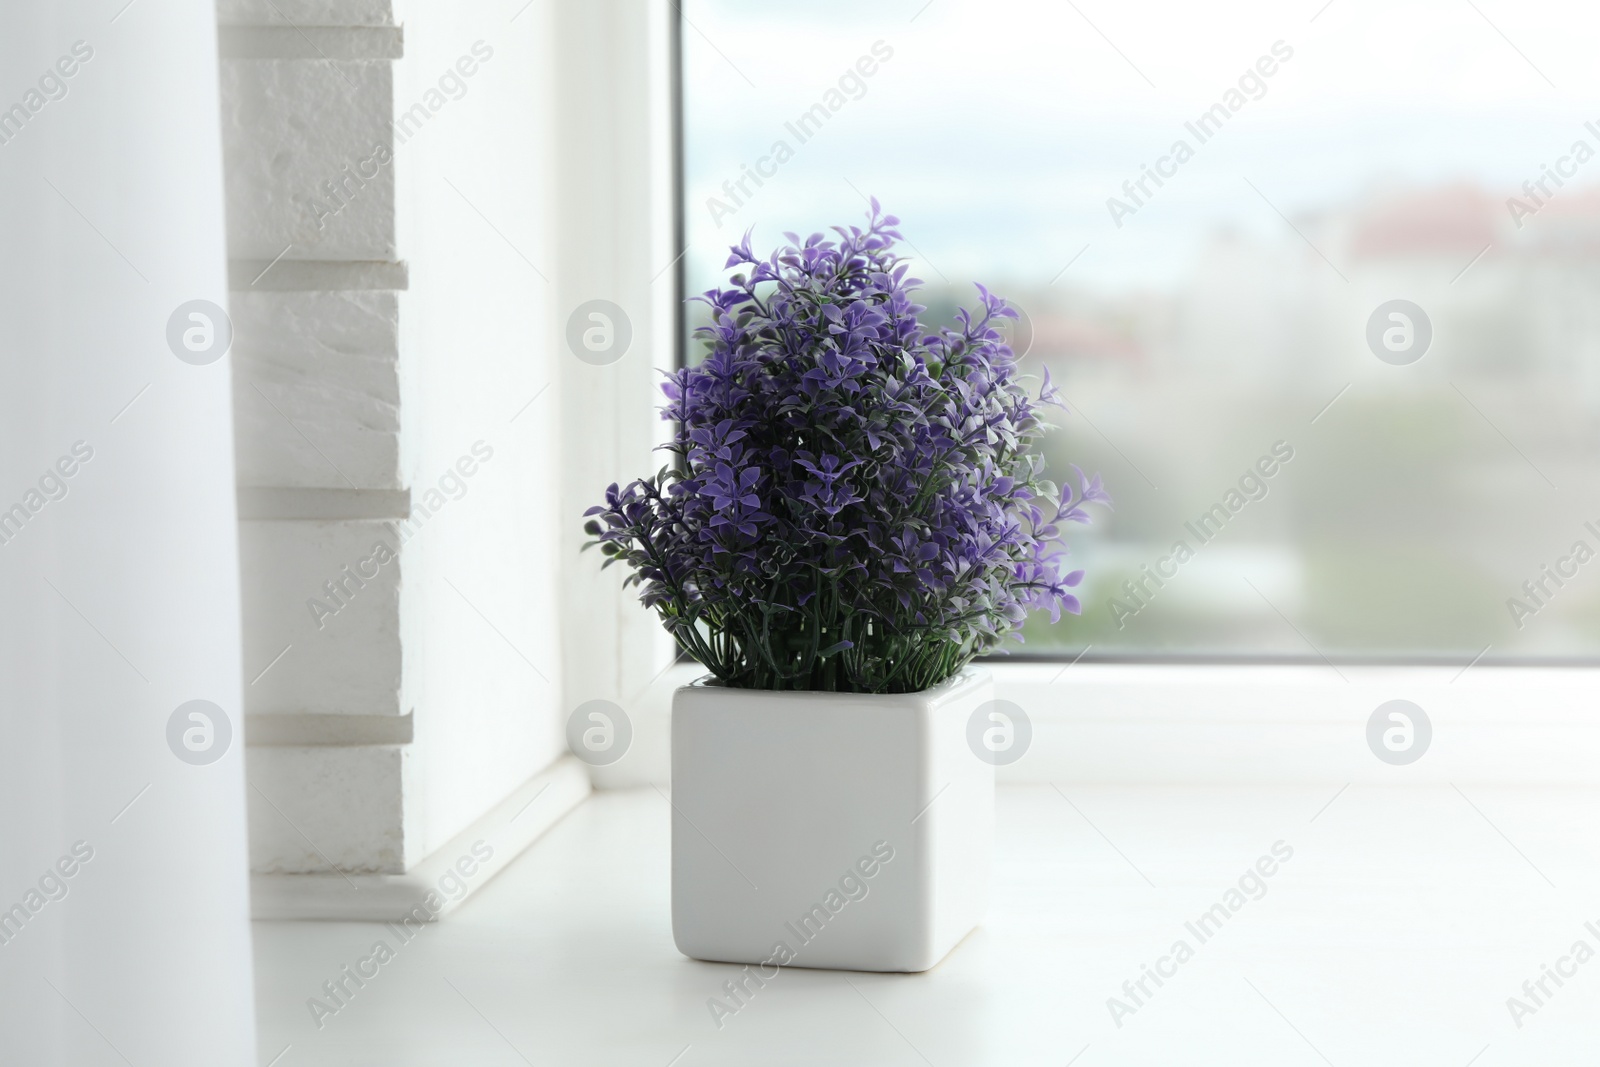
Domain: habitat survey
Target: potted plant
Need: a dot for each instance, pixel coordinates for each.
(855, 513)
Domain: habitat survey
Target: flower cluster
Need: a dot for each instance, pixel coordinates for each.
(856, 504)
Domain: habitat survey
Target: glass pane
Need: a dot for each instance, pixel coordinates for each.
(1317, 281)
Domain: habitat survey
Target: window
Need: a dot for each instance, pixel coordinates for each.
(1318, 286)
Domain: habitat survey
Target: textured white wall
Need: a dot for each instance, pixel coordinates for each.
(121, 598)
(389, 197)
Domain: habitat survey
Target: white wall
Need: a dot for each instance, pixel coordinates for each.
(322, 461)
(422, 329)
(474, 203)
(389, 206)
(121, 598)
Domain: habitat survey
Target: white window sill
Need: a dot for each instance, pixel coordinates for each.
(567, 956)
(1232, 724)
(1284, 724)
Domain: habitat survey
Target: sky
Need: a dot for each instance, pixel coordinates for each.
(998, 131)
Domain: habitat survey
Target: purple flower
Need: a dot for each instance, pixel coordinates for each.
(855, 502)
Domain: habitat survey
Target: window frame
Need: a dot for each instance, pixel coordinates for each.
(1097, 717)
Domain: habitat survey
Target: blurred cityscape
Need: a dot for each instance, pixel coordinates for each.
(1419, 499)
(1416, 504)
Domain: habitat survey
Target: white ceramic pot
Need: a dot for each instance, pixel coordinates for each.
(829, 829)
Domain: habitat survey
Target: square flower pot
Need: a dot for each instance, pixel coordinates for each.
(839, 830)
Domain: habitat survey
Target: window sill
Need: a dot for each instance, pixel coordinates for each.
(1171, 724)
(567, 956)
(1267, 724)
